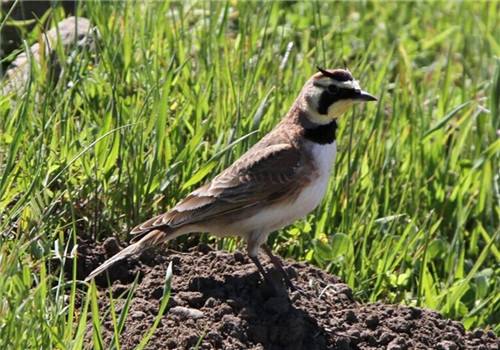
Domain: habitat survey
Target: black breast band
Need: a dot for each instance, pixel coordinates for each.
(322, 134)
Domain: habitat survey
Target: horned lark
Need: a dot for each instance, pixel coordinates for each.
(279, 180)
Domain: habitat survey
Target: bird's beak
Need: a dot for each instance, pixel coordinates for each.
(365, 96)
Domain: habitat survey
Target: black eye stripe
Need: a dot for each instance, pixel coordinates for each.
(327, 98)
(333, 88)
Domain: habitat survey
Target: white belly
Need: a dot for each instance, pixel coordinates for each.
(281, 215)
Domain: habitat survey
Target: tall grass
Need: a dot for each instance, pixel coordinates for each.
(174, 92)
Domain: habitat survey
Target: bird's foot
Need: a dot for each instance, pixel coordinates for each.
(279, 267)
(272, 280)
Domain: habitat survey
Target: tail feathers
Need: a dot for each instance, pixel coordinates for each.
(149, 240)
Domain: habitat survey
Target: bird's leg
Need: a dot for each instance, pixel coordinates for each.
(253, 243)
(279, 266)
(261, 270)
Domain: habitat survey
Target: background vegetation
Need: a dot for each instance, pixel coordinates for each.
(175, 92)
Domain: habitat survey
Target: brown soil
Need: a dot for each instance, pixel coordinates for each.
(219, 300)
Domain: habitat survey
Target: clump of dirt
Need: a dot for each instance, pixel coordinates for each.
(219, 301)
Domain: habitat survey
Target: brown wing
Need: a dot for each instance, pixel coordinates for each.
(260, 176)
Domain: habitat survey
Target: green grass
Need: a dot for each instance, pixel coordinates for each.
(174, 93)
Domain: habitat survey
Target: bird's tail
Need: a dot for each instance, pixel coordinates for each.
(151, 239)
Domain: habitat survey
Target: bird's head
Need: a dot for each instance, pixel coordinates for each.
(330, 93)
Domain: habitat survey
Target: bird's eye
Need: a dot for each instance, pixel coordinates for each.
(333, 89)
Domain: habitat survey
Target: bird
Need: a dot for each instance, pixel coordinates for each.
(279, 180)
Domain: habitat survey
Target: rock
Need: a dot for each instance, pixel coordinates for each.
(186, 313)
(73, 33)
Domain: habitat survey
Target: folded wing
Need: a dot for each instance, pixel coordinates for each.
(262, 176)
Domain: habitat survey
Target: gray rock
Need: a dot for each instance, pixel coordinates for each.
(73, 33)
(186, 313)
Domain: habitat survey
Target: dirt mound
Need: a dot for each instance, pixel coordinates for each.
(219, 302)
